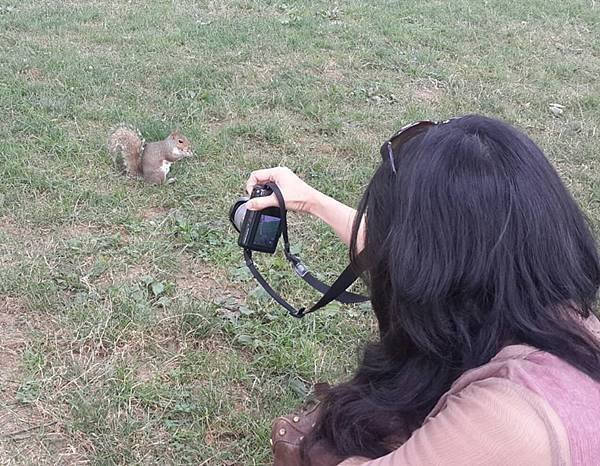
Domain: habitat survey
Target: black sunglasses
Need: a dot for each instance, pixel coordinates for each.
(404, 134)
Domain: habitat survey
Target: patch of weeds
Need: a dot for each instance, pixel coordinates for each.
(68, 279)
(146, 293)
(6, 9)
(28, 392)
(122, 310)
(33, 359)
(268, 132)
(207, 240)
(93, 244)
(157, 291)
(375, 95)
(101, 264)
(291, 15)
(240, 274)
(199, 321)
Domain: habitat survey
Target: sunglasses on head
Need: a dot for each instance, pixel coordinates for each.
(404, 134)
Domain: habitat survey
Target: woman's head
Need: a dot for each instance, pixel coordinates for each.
(472, 243)
(474, 238)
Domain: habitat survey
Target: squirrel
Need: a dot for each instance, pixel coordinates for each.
(150, 161)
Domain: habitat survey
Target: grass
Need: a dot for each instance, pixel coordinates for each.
(130, 331)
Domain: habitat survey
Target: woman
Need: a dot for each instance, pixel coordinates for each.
(483, 275)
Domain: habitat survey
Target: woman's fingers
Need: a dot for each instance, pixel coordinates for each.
(260, 203)
(260, 177)
(296, 193)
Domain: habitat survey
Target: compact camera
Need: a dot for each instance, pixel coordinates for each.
(259, 230)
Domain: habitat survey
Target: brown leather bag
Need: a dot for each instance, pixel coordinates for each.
(288, 431)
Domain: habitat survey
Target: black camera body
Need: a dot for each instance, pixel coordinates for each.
(259, 229)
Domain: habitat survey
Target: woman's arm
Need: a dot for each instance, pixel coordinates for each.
(338, 216)
(300, 197)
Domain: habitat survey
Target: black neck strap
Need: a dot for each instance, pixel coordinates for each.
(336, 292)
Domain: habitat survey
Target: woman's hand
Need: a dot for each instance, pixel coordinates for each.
(298, 196)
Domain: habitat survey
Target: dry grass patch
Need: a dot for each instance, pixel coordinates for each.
(331, 71)
(152, 213)
(429, 92)
(10, 227)
(12, 339)
(206, 283)
(30, 433)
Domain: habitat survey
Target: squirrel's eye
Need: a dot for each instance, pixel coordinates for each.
(180, 141)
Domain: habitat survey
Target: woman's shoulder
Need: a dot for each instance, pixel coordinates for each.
(566, 400)
(565, 387)
(532, 368)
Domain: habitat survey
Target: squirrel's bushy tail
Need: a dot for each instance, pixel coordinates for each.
(125, 145)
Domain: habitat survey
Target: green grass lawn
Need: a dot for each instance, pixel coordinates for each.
(130, 332)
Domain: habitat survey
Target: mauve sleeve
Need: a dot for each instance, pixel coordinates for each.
(489, 422)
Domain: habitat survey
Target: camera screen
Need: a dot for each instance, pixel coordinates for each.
(266, 233)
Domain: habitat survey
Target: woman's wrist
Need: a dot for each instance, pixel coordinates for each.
(315, 203)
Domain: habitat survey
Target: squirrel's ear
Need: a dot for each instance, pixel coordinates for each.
(175, 133)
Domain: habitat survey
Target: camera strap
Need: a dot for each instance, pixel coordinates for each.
(337, 291)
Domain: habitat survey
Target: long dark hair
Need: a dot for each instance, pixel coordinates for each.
(474, 243)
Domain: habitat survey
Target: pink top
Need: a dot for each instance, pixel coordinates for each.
(524, 407)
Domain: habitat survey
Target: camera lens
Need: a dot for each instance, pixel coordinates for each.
(238, 212)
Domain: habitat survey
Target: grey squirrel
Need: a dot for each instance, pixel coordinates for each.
(150, 161)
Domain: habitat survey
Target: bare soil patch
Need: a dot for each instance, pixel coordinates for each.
(428, 93)
(10, 227)
(154, 212)
(332, 72)
(80, 230)
(32, 74)
(203, 282)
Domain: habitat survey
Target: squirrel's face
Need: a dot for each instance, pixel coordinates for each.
(181, 145)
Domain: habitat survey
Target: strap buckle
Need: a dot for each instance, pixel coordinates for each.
(297, 265)
(300, 269)
(299, 313)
